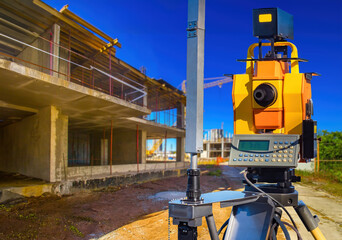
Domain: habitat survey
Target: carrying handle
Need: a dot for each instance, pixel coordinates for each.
(294, 54)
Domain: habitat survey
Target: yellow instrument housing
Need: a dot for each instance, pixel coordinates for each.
(286, 114)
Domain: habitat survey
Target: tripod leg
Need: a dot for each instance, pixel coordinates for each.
(317, 234)
(310, 222)
(185, 232)
(212, 227)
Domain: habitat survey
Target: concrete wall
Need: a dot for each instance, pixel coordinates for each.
(81, 148)
(125, 146)
(88, 172)
(36, 146)
(85, 148)
(310, 166)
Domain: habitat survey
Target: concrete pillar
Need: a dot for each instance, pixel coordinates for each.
(55, 39)
(180, 115)
(208, 149)
(37, 146)
(145, 99)
(59, 145)
(143, 147)
(180, 149)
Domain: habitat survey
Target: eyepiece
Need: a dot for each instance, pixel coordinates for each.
(265, 94)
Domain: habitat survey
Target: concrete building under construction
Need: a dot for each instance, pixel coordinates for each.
(69, 108)
(216, 144)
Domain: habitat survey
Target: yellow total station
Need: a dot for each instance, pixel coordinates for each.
(272, 96)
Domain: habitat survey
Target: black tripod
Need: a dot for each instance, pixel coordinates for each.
(263, 217)
(256, 212)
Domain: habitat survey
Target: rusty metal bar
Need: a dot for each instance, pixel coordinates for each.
(165, 149)
(88, 152)
(92, 74)
(111, 146)
(110, 72)
(137, 148)
(103, 150)
(317, 155)
(69, 56)
(66, 48)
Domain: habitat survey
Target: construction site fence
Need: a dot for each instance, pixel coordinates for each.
(59, 60)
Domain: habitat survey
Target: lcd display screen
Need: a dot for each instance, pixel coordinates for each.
(253, 145)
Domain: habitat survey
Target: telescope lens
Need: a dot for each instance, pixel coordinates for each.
(265, 94)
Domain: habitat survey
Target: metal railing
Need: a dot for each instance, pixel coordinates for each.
(61, 61)
(167, 117)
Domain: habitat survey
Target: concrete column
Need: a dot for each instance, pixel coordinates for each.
(180, 149)
(37, 146)
(208, 149)
(145, 99)
(59, 145)
(180, 115)
(143, 147)
(55, 38)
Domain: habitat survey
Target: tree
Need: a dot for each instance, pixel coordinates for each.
(330, 147)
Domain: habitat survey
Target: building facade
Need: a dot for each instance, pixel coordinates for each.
(69, 108)
(216, 144)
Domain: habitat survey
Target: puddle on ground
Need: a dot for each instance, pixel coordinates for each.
(167, 195)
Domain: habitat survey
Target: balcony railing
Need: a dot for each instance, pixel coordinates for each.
(97, 72)
(168, 118)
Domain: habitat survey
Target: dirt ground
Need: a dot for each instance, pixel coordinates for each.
(157, 226)
(90, 215)
(131, 212)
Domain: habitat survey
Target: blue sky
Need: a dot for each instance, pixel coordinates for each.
(153, 34)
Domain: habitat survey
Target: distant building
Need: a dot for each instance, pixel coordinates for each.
(216, 144)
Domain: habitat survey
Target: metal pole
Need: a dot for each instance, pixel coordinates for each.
(194, 95)
(212, 227)
(165, 149)
(92, 74)
(318, 156)
(137, 148)
(104, 147)
(110, 72)
(111, 146)
(69, 57)
(193, 161)
(51, 51)
(195, 66)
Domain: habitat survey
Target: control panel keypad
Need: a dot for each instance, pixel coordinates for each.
(282, 152)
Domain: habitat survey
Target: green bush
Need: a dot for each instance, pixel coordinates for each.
(330, 146)
(331, 169)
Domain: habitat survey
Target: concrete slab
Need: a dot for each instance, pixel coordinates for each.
(15, 186)
(9, 115)
(27, 87)
(154, 130)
